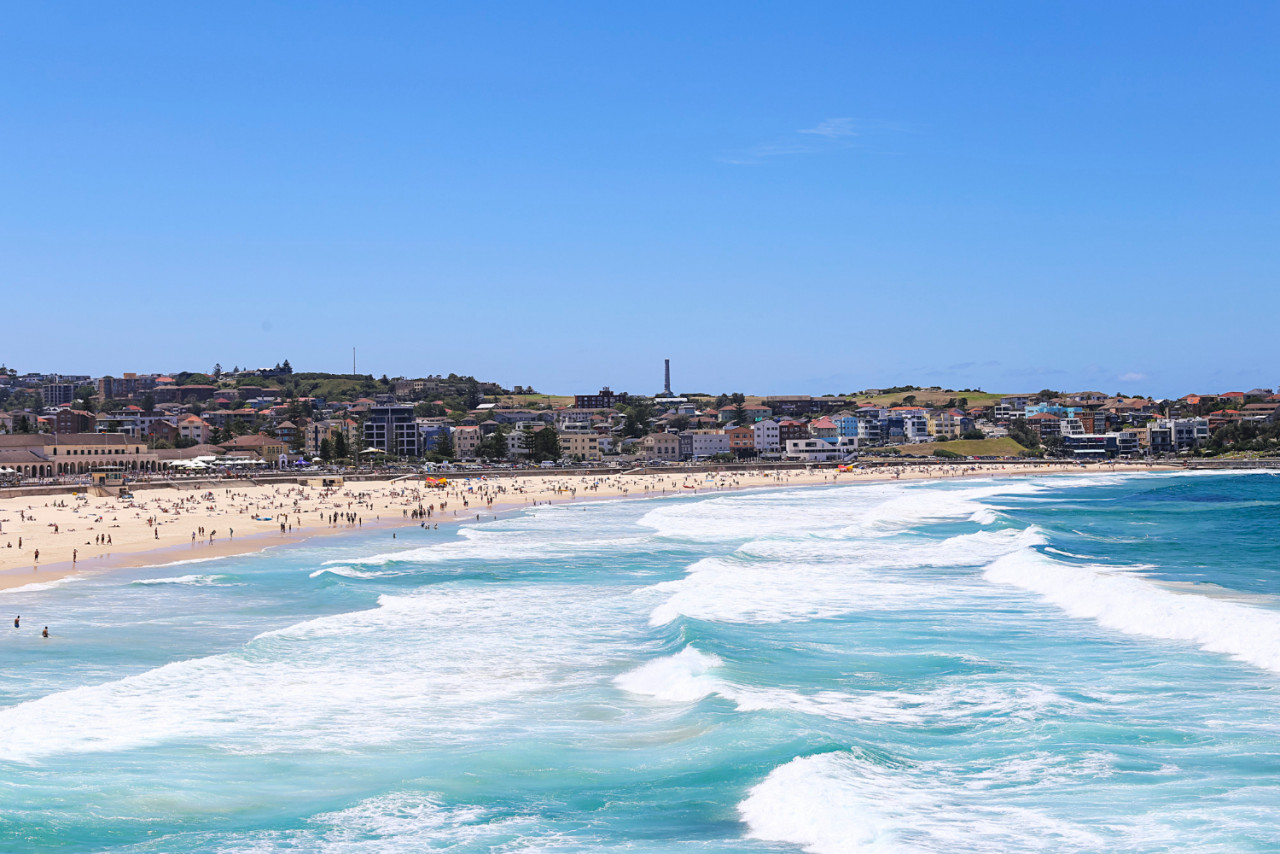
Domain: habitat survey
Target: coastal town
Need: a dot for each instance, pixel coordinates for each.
(56, 427)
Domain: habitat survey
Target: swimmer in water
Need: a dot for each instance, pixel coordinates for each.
(45, 633)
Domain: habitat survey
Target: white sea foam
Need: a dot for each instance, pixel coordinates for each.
(690, 675)
(193, 580)
(1125, 601)
(680, 678)
(446, 665)
(537, 543)
(345, 572)
(836, 803)
(399, 822)
(926, 503)
(192, 560)
(37, 586)
(824, 578)
(740, 517)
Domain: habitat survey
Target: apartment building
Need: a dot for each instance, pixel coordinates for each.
(580, 445)
(661, 446)
(702, 443)
(466, 440)
(768, 438)
(67, 421)
(393, 429)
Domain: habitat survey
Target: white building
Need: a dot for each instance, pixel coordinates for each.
(1072, 427)
(915, 426)
(820, 450)
(768, 440)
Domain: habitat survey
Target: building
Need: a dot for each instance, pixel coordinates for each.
(767, 437)
(392, 429)
(819, 450)
(742, 441)
(67, 421)
(824, 428)
(126, 387)
(52, 454)
(265, 447)
(466, 441)
(195, 429)
(1045, 425)
(695, 444)
(317, 431)
(431, 431)
(1105, 445)
(580, 446)
(796, 404)
(57, 394)
(661, 446)
(1172, 435)
(791, 430)
(604, 399)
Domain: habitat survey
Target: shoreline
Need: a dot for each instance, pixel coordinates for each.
(138, 552)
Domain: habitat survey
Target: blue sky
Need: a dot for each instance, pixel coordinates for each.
(778, 197)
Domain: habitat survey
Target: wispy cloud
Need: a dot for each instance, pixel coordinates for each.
(833, 128)
(828, 135)
(1131, 377)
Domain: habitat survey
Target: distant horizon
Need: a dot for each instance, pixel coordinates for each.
(555, 392)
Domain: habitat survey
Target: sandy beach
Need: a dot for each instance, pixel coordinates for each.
(49, 537)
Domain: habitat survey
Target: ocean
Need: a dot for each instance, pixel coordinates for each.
(1062, 663)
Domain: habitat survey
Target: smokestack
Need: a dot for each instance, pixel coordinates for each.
(666, 379)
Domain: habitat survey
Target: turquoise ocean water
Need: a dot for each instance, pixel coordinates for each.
(1055, 664)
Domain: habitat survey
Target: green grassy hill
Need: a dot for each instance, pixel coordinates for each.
(939, 398)
(1004, 447)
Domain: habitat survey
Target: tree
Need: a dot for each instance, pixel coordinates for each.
(546, 445)
(286, 368)
(973, 433)
(494, 446)
(1020, 431)
(474, 397)
(428, 410)
(340, 449)
(444, 445)
(148, 403)
(217, 371)
(740, 414)
(738, 398)
(527, 443)
(326, 450)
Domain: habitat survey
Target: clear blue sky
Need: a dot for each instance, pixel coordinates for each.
(778, 197)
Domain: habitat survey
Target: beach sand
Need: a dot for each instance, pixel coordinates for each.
(76, 533)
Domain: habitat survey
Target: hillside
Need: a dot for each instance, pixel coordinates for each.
(1004, 447)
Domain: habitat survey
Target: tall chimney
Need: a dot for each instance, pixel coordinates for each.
(666, 380)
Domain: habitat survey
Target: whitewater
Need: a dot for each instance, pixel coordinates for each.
(1061, 663)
